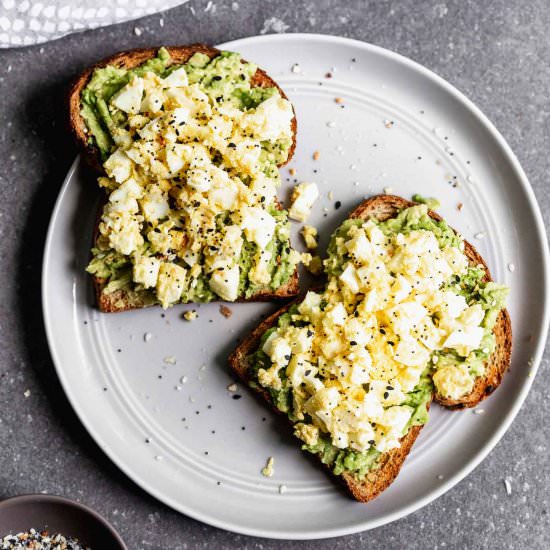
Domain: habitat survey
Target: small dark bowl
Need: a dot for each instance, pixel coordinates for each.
(58, 515)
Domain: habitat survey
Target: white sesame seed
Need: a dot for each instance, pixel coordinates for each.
(170, 360)
(137, 31)
(440, 476)
(388, 190)
(232, 387)
(479, 411)
(479, 235)
(508, 486)
(331, 124)
(296, 68)
(147, 336)
(27, 393)
(158, 458)
(183, 379)
(511, 267)
(282, 489)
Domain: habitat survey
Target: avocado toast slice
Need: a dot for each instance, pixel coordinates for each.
(94, 124)
(376, 471)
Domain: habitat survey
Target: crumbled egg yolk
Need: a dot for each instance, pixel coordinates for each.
(309, 234)
(190, 315)
(356, 349)
(314, 265)
(269, 469)
(183, 160)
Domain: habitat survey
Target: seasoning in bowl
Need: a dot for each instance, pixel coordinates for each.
(39, 540)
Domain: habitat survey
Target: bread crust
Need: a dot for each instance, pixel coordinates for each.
(119, 300)
(383, 207)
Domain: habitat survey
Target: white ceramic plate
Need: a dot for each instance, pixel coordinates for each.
(188, 441)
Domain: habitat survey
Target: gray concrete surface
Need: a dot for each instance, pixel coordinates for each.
(497, 52)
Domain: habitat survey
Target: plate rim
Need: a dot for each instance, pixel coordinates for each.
(488, 445)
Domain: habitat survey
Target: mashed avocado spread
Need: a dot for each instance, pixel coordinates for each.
(191, 153)
(403, 314)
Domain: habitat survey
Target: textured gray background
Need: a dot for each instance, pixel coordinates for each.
(497, 52)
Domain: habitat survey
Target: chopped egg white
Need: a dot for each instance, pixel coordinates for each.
(128, 99)
(303, 197)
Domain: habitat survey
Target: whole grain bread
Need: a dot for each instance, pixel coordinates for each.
(122, 300)
(383, 207)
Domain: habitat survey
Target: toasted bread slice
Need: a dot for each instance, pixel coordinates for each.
(134, 58)
(383, 207)
(121, 300)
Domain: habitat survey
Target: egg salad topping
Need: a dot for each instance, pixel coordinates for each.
(353, 365)
(191, 157)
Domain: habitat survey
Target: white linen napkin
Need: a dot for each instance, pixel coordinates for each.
(28, 22)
